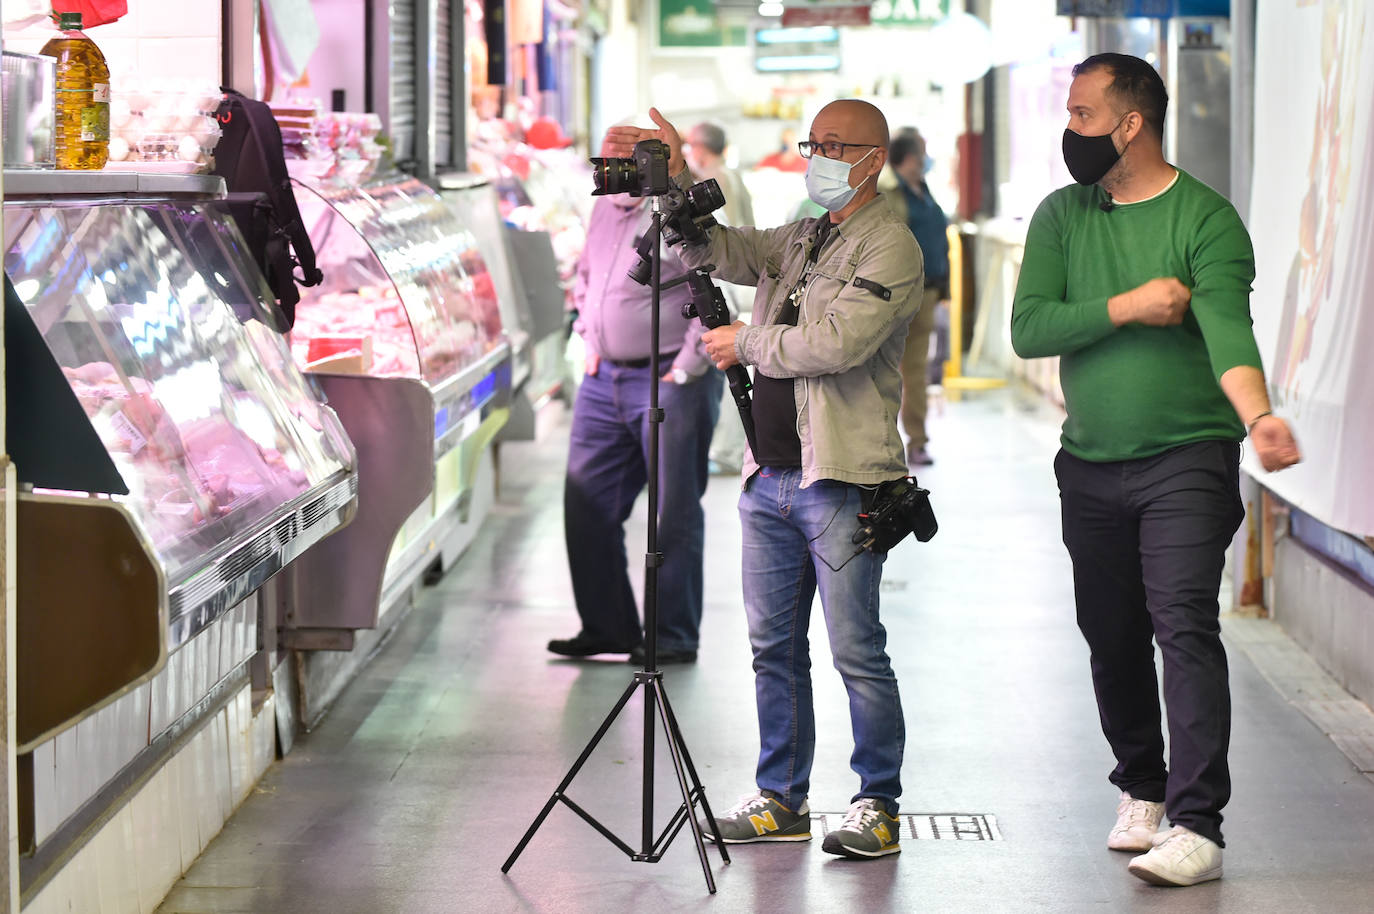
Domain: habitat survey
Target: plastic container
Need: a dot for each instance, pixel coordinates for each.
(83, 97)
(30, 115)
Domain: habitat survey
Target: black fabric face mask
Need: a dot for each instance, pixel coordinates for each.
(1090, 157)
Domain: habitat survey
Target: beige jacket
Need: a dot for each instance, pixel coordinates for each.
(846, 348)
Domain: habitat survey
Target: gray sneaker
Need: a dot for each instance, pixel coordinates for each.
(867, 831)
(760, 818)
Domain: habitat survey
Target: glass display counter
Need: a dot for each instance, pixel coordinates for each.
(209, 449)
(406, 337)
(529, 290)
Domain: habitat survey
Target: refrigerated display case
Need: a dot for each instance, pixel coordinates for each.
(406, 337)
(525, 277)
(173, 456)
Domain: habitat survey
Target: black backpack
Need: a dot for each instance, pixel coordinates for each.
(250, 160)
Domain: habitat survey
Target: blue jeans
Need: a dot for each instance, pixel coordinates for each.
(793, 539)
(608, 466)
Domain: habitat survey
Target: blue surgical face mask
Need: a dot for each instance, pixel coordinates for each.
(827, 181)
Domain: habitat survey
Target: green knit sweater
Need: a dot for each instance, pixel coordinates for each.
(1135, 391)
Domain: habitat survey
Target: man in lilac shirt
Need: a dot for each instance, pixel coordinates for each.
(608, 448)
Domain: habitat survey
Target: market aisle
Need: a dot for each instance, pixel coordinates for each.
(421, 780)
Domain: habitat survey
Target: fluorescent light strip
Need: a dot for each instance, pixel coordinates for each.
(798, 62)
(819, 33)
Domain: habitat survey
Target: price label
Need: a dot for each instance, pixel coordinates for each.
(129, 432)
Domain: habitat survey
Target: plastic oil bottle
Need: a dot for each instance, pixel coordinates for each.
(83, 96)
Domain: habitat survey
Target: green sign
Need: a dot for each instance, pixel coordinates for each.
(697, 24)
(908, 12)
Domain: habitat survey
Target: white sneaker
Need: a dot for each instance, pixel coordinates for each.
(1179, 857)
(1136, 823)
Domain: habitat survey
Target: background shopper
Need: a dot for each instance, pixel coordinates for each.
(903, 185)
(608, 446)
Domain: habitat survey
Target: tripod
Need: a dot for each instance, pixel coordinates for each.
(650, 678)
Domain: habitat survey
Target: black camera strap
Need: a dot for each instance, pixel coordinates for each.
(794, 298)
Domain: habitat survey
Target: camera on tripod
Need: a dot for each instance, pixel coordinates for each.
(643, 174)
(898, 507)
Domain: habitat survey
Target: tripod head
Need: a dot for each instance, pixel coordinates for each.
(686, 217)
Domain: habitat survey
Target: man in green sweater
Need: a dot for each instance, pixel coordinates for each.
(1138, 277)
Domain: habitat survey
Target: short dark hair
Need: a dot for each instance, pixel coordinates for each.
(712, 136)
(1135, 86)
(908, 142)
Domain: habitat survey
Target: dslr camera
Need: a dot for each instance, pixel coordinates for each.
(643, 174)
(895, 508)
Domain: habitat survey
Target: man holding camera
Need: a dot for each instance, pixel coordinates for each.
(834, 298)
(608, 449)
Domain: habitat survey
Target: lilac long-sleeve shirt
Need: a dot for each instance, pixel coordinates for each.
(614, 310)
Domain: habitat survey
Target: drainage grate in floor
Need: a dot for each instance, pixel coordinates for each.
(929, 826)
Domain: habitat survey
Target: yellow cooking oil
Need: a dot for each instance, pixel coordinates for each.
(83, 96)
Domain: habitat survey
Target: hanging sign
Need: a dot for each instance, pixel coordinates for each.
(696, 24)
(800, 17)
(908, 12)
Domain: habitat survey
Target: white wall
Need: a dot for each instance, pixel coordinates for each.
(338, 62)
(157, 40)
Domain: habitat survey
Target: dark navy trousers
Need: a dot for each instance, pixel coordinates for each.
(608, 461)
(1148, 540)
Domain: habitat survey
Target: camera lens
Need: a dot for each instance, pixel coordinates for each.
(614, 176)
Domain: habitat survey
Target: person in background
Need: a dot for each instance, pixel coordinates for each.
(704, 150)
(1138, 277)
(608, 447)
(786, 157)
(834, 298)
(903, 185)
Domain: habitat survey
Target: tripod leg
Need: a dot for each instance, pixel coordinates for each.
(675, 738)
(679, 752)
(568, 779)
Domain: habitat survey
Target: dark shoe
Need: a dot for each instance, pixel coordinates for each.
(637, 656)
(582, 646)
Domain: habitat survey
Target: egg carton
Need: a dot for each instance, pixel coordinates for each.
(164, 125)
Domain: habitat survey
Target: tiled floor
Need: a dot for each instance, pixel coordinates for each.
(421, 780)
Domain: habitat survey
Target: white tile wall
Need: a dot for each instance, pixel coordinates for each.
(157, 839)
(114, 866)
(157, 40)
(75, 765)
(182, 786)
(128, 867)
(196, 59)
(46, 814)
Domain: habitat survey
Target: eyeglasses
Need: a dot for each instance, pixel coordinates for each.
(831, 149)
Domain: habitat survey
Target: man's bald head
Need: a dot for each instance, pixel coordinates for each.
(851, 120)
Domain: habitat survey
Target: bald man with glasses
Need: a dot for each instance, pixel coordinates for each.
(834, 298)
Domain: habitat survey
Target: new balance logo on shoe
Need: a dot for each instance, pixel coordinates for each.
(759, 818)
(866, 832)
(764, 823)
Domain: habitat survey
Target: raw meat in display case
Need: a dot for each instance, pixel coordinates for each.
(173, 456)
(406, 292)
(212, 429)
